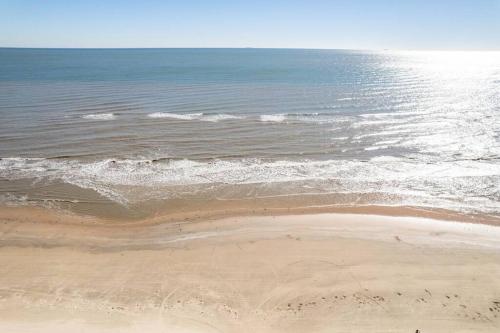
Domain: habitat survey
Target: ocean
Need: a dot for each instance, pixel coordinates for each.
(130, 133)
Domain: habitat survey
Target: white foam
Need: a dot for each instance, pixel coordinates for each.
(301, 117)
(220, 116)
(275, 118)
(195, 116)
(189, 116)
(384, 159)
(426, 184)
(100, 116)
(375, 148)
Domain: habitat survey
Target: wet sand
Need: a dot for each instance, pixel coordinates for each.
(289, 273)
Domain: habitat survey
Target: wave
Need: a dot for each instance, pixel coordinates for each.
(216, 117)
(100, 116)
(375, 148)
(473, 183)
(194, 116)
(189, 116)
(275, 118)
(315, 118)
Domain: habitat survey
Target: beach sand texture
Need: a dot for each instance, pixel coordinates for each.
(298, 273)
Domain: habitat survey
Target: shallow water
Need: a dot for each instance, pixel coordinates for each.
(129, 127)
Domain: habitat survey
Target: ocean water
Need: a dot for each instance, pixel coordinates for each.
(124, 128)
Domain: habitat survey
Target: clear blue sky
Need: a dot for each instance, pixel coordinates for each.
(356, 24)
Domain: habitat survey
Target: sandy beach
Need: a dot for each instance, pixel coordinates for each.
(289, 273)
(249, 166)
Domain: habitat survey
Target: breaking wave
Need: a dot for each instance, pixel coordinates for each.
(275, 118)
(194, 116)
(100, 116)
(466, 184)
(267, 118)
(317, 118)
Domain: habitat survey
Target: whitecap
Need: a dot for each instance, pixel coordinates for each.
(195, 116)
(189, 116)
(275, 118)
(99, 116)
(219, 116)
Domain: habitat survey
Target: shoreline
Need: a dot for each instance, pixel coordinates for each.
(288, 273)
(209, 211)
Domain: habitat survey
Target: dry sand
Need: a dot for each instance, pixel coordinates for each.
(299, 273)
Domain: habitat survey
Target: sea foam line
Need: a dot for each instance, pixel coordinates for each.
(275, 118)
(313, 118)
(115, 179)
(100, 116)
(194, 116)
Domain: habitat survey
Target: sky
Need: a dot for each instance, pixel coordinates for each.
(355, 24)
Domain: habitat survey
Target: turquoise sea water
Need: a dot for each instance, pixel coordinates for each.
(133, 125)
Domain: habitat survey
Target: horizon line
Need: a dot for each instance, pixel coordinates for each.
(246, 48)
